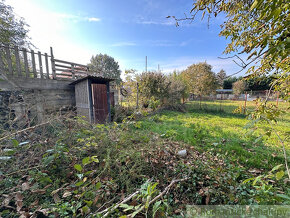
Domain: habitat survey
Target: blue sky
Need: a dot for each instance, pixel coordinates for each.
(127, 30)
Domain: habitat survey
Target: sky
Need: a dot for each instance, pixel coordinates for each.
(128, 30)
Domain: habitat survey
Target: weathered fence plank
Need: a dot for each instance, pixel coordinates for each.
(9, 61)
(46, 64)
(21, 65)
(52, 64)
(25, 63)
(67, 62)
(2, 68)
(73, 71)
(33, 64)
(40, 65)
(17, 59)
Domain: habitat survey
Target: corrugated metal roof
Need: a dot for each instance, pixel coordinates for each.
(224, 90)
(94, 79)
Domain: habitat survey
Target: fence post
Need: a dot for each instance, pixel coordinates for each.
(52, 64)
(277, 101)
(25, 63)
(73, 71)
(46, 65)
(246, 96)
(33, 64)
(40, 65)
(17, 58)
(1, 62)
(9, 61)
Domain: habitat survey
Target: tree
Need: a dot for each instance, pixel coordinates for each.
(239, 87)
(259, 83)
(257, 28)
(13, 31)
(228, 83)
(106, 66)
(200, 79)
(177, 88)
(260, 30)
(221, 76)
(153, 86)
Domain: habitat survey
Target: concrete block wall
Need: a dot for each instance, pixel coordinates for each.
(24, 99)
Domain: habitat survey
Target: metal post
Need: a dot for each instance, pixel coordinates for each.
(246, 96)
(137, 102)
(109, 101)
(91, 105)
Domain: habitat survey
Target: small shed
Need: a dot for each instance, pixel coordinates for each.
(93, 98)
(224, 94)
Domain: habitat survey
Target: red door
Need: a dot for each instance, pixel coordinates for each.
(100, 103)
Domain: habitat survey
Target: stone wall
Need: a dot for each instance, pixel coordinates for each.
(24, 100)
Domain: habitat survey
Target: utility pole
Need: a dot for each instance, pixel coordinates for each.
(146, 64)
(137, 102)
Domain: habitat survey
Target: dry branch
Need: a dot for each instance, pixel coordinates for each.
(109, 209)
(23, 130)
(164, 192)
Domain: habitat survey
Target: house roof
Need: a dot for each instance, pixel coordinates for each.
(94, 79)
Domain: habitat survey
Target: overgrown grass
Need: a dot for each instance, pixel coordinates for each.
(222, 131)
(71, 168)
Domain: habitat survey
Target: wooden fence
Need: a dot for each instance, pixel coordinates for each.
(20, 62)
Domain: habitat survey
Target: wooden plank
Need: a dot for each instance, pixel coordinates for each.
(1, 62)
(46, 64)
(67, 62)
(25, 63)
(40, 65)
(52, 64)
(18, 66)
(64, 66)
(63, 70)
(64, 74)
(33, 64)
(9, 61)
(72, 71)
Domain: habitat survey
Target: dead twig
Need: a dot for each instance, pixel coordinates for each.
(18, 171)
(109, 209)
(23, 130)
(164, 192)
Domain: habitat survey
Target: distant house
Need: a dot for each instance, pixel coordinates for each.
(224, 94)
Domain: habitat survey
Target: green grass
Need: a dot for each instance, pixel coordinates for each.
(222, 131)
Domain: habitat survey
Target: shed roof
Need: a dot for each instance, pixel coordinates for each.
(224, 90)
(94, 79)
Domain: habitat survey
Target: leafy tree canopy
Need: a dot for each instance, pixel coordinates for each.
(200, 79)
(13, 31)
(257, 28)
(221, 76)
(239, 87)
(228, 83)
(152, 84)
(259, 83)
(106, 66)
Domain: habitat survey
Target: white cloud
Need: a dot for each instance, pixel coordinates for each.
(51, 29)
(93, 19)
(157, 22)
(122, 44)
(181, 63)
